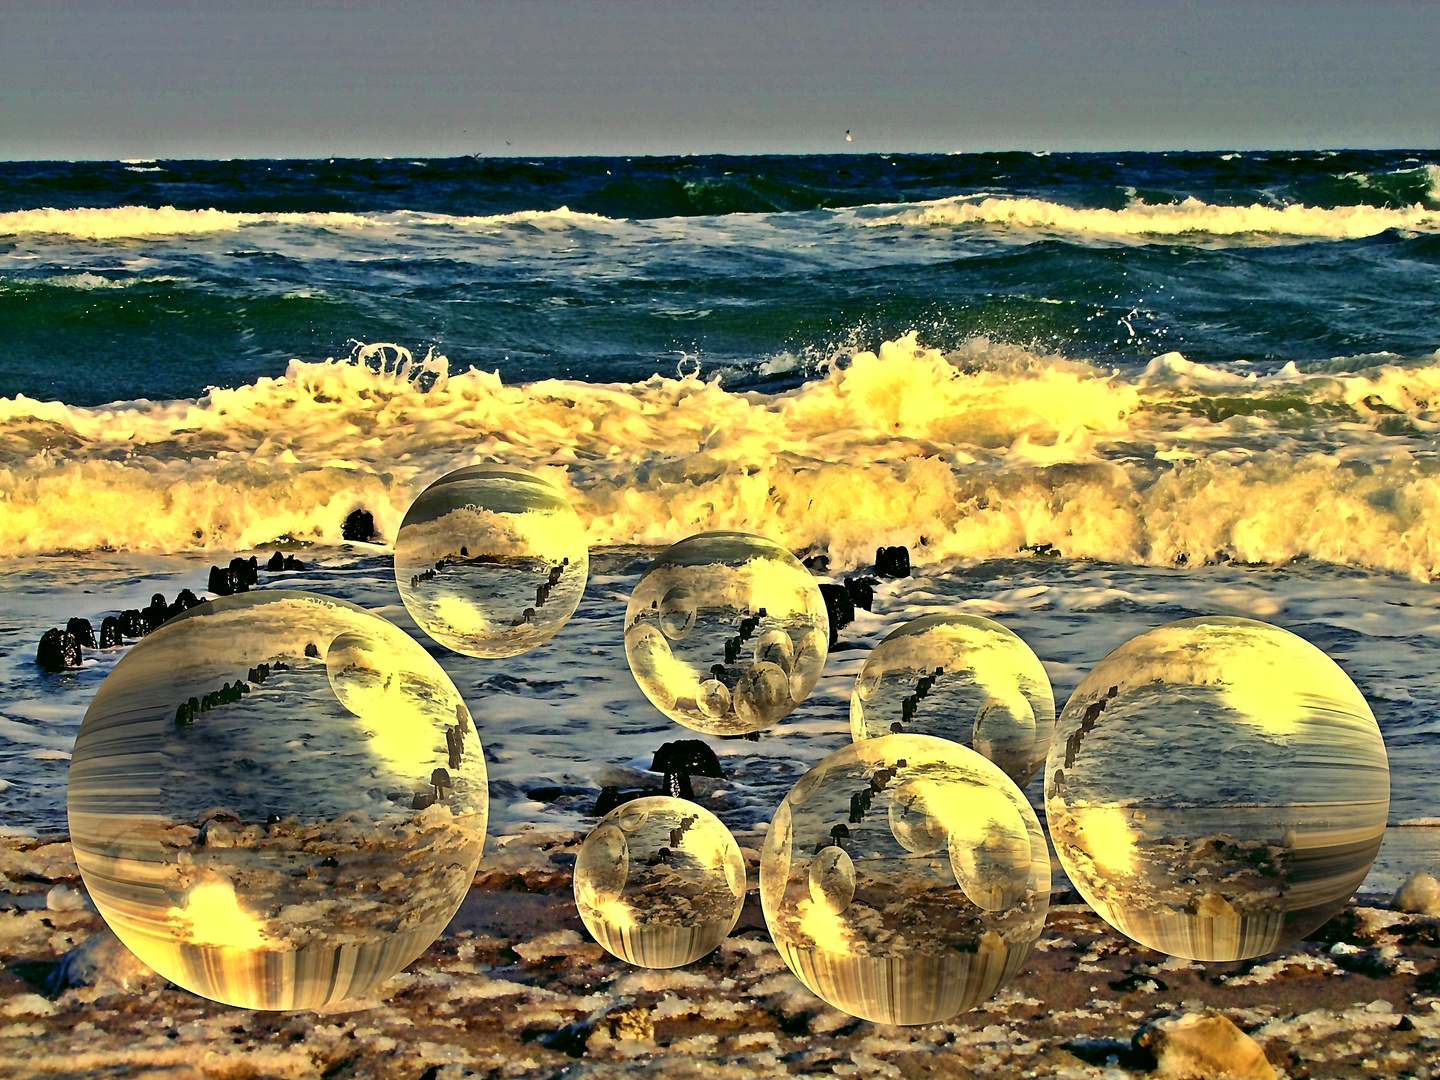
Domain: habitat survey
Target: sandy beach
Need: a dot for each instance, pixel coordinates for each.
(516, 987)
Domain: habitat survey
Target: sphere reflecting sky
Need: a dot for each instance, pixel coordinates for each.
(726, 632)
(277, 800)
(491, 560)
(959, 677)
(1217, 788)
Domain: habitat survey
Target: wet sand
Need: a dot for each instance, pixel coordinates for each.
(515, 987)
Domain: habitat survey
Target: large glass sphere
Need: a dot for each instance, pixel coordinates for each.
(726, 632)
(277, 800)
(962, 678)
(491, 560)
(660, 882)
(905, 879)
(1217, 788)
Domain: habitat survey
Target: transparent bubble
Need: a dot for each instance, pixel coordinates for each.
(726, 633)
(491, 561)
(660, 882)
(962, 678)
(1217, 788)
(905, 879)
(277, 800)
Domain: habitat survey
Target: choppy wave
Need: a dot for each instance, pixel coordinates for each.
(133, 222)
(86, 281)
(1189, 217)
(990, 451)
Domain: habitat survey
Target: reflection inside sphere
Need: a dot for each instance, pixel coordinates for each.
(660, 882)
(1217, 788)
(905, 879)
(277, 800)
(726, 632)
(491, 560)
(963, 678)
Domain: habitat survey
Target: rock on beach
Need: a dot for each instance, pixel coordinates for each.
(1419, 894)
(1204, 1046)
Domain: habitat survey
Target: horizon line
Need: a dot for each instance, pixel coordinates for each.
(857, 153)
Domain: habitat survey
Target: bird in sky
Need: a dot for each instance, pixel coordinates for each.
(848, 136)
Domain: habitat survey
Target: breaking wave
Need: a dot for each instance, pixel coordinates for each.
(1189, 217)
(132, 222)
(990, 451)
(1024, 217)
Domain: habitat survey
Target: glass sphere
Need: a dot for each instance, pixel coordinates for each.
(905, 879)
(1217, 788)
(491, 560)
(277, 800)
(660, 882)
(962, 678)
(726, 632)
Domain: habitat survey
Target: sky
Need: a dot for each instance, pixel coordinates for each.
(165, 78)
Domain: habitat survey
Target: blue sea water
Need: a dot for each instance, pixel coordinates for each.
(611, 269)
(1090, 392)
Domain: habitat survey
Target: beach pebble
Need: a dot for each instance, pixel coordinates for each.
(632, 1024)
(63, 898)
(49, 861)
(1203, 1046)
(27, 1005)
(1420, 894)
(555, 943)
(103, 961)
(214, 834)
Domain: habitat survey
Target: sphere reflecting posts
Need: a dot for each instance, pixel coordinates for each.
(905, 879)
(277, 800)
(660, 882)
(959, 677)
(1217, 788)
(726, 633)
(491, 560)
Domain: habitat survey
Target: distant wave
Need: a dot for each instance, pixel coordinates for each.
(130, 222)
(1138, 221)
(1190, 217)
(989, 451)
(85, 281)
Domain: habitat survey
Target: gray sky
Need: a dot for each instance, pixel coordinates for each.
(169, 79)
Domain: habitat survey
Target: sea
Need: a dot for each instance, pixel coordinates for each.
(1089, 393)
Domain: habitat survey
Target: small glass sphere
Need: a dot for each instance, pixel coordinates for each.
(491, 561)
(962, 678)
(660, 882)
(726, 632)
(1217, 788)
(905, 879)
(277, 800)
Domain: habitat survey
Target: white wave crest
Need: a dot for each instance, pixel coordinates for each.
(134, 222)
(1432, 185)
(976, 454)
(1190, 217)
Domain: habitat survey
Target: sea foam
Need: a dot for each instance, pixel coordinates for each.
(979, 453)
